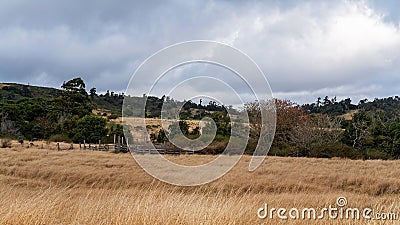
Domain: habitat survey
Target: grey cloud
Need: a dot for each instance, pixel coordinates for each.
(302, 46)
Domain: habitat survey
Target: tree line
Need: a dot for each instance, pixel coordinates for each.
(325, 128)
(66, 116)
(368, 130)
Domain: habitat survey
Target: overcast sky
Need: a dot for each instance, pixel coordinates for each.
(305, 48)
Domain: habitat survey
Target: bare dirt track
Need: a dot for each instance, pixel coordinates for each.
(43, 186)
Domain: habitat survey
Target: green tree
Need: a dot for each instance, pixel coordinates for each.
(75, 85)
(90, 128)
(222, 121)
(92, 93)
(75, 99)
(115, 129)
(358, 131)
(393, 137)
(161, 137)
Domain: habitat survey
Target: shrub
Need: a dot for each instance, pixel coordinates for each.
(336, 149)
(373, 153)
(287, 151)
(112, 117)
(60, 138)
(216, 147)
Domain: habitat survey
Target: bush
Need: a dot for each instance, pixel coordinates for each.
(376, 154)
(216, 147)
(337, 149)
(283, 152)
(60, 138)
(112, 117)
(5, 143)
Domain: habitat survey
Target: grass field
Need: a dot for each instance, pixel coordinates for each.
(42, 186)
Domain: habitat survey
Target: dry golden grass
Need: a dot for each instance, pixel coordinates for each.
(42, 186)
(153, 125)
(349, 115)
(3, 85)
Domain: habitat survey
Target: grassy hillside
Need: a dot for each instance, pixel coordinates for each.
(13, 92)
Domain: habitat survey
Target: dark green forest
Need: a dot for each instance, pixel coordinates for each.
(328, 127)
(36, 113)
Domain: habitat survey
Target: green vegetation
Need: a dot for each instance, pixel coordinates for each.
(13, 92)
(326, 128)
(51, 114)
(90, 128)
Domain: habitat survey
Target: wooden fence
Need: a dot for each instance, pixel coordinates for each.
(137, 149)
(123, 146)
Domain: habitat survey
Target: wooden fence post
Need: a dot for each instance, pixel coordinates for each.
(119, 143)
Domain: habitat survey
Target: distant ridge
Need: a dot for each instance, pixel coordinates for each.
(15, 92)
